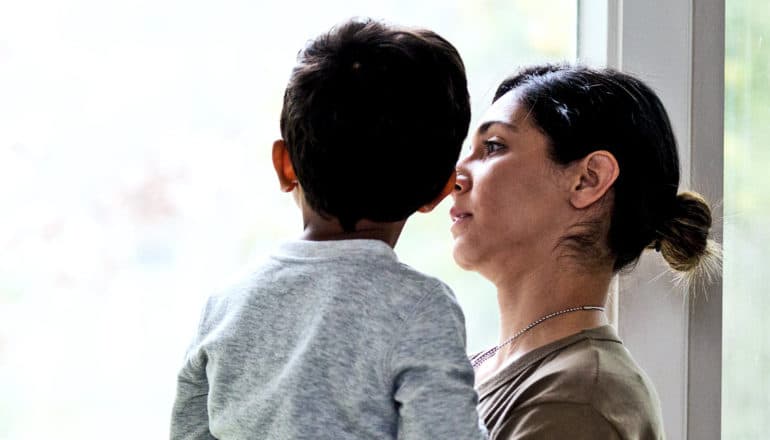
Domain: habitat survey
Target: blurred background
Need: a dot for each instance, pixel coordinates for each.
(746, 301)
(135, 180)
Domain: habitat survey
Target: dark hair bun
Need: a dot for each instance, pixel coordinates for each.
(683, 239)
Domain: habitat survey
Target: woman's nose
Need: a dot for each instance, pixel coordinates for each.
(462, 183)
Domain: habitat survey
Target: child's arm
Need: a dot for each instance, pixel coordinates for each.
(189, 418)
(433, 379)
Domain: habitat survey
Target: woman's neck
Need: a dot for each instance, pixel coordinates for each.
(542, 292)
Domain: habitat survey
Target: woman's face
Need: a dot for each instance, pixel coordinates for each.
(512, 200)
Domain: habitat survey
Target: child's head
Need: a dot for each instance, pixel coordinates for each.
(373, 119)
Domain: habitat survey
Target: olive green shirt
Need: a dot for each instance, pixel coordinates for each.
(585, 386)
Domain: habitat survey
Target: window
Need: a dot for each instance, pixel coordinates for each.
(746, 341)
(134, 149)
(678, 49)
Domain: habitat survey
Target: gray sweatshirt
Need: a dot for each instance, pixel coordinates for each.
(329, 340)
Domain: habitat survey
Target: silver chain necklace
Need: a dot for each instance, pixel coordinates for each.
(480, 359)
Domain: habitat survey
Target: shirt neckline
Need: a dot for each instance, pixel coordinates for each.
(604, 332)
(329, 249)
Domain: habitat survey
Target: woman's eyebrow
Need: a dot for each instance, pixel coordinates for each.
(487, 125)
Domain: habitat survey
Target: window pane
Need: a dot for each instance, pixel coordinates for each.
(135, 179)
(746, 384)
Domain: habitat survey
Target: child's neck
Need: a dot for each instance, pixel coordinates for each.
(317, 228)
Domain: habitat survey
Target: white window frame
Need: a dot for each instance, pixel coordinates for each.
(676, 46)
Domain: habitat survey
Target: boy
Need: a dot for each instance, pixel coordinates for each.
(332, 337)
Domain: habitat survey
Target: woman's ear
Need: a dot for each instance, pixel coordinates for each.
(596, 173)
(448, 188)
(283, 167)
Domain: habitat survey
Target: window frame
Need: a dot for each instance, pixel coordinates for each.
(678, 48)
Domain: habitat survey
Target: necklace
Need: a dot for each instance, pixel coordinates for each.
(480, 359)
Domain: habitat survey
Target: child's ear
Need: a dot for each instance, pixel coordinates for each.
(283, 168)
(596, 173)
(450, 184)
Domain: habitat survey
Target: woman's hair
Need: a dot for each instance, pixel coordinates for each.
(582, 110)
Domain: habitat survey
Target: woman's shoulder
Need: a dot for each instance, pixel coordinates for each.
(596, 369)
(592, 370)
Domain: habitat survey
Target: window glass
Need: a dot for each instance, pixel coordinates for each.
(135, 179)
(746, 327)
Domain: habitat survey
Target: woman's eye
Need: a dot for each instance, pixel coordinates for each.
(491, 147)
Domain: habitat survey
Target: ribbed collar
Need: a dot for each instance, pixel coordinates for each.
(322, 250)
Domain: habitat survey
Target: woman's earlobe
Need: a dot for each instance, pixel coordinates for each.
(284, 170)
(597, 173)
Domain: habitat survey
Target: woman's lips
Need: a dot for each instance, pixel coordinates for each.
(458, 215)
(459, 223)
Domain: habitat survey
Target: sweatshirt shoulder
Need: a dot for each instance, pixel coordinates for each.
(422, 291)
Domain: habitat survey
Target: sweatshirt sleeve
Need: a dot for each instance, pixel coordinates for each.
(431, 375)
(189, 416)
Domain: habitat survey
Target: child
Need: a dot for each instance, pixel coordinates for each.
(332, 337)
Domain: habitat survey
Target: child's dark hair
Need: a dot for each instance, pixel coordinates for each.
(581, 110)
(374, 117)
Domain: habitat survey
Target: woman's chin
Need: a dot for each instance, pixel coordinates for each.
(460, 255)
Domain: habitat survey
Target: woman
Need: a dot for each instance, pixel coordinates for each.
(573, 172)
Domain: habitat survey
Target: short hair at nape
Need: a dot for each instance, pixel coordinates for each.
(374, 117)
